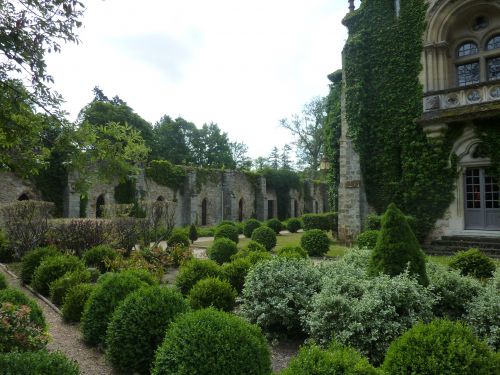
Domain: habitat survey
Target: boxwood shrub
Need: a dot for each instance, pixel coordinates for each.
(249, 226)
(367, 239)
(40, 363)
(98, 255)
(265, 236)
(253, 257)
(293, 225)
(440, 347)
(474, 263)
(138, 327)
(291, 252)
(236, 271)
(221, 250)
(74, 302)
(58, 288)
(178, 239)
(53, 268)
(212, 292)
(227, 231)
(193, 271)
(109, 292)
(225, 345)
(17, 297)
(315, 242)
(275, 225)
(32, 259)
(319, 221)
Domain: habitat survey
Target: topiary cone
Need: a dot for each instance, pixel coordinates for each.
(397, 247)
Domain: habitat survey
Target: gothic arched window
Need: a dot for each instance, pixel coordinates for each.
(493, 62)
(468, 68)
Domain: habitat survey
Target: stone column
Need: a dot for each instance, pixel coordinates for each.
(261, 199)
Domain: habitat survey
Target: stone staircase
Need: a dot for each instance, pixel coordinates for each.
(449, 245)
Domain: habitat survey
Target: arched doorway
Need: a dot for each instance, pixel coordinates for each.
(204, 204)
(160, 199)
(23, 197)
(240, 210)
(99, 206)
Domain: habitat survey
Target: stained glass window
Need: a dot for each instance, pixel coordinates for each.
(468, 74)
(493, 43)
(467, 49)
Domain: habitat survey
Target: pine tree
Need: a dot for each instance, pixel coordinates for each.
(193, 233)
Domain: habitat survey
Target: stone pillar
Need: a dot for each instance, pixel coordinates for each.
(71, 199)
(191, 200)
(261, 199)
(229, 204)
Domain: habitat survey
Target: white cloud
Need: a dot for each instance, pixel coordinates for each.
(243, 65)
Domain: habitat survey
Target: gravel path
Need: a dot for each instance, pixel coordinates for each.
(65, 337)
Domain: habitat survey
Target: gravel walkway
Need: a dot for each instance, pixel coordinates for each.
(65, 337)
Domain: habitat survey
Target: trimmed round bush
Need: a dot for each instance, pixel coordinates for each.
(275, 225)
(249, 226)
(312, 359)
(226, 222)
(293, 225)
(222, 250)
(367, 239)
(16, 297)
(212, 292)
(278, 292)
(74, 302)
(138, 327)
(3, 281)
(142, 275)
(236, 271)
(98, 255)
(53, 268)
(315, 242)
(59, 287)
(454, 291)
(32, 259)
(109, 292)
(40, 363)
(225, 345)
(178, 239)
(255, 246)
(473, 263)
(265, 236)
(440, 347)
(291, 252)
(227, 231)
(193, 271)
(253, 257)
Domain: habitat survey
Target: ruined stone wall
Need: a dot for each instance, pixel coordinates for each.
(12, 188)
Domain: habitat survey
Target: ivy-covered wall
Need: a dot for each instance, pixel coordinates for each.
(383, 100)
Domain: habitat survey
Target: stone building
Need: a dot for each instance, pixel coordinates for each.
(461, 84)
(14, 188)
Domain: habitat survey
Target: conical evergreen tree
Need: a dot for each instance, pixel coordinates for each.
(397, 247)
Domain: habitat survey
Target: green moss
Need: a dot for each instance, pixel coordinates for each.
(165, 173)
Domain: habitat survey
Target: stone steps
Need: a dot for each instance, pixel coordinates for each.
(449, 245)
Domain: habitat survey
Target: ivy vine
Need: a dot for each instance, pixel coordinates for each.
(167, 174)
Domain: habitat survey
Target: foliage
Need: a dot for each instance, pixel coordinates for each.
(32, 259)
(440, 347)
(6, 252)
(474, 263)
(98, 256)
(312, 360)
(483, 315)
(165, 173)
(40, 363)
(125, 233)
(158, 223)
(236, 271)
(235, 346)
(74, 302)
(293, 225)
(138, 327)
(222, 250)
(397, 248)
(193, 271)
(58, 288)
(173, 140)
(18, 298)
(227, 231)
(265, 236)
(193, 233)
(239, 152)
(398, 162)
(277, 292)
(282, 181)
(318, 221)
(212, 292)
(148, 261)
(366, 313)
(453, 291)
(373, 222)
(315, 242)
(3, 281)
(103, 300)
(52, 268)
(179, 239)
(254, 246)
(249, 226)
(291, 252)
(26, 224)
(18, 332)
(78, 235)
(275, 225)
(368, 239)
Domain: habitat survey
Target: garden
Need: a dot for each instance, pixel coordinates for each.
(144, 297)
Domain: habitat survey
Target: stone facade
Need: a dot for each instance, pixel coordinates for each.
(14, 188)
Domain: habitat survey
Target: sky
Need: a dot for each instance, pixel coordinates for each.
(242, 65)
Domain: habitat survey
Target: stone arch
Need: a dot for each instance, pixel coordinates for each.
(204, 211)
(240, 210)
(99, 206)
(160, 198)
(23, 197)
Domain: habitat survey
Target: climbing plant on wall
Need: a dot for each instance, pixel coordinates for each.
(282, 180)
(383, 100)
(165, 173)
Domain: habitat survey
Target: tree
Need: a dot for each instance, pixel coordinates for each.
(211, 148)
(239, 151)
(173, 140)
(274, 158)
(307, 129)
(286, 163)
(28, 31)
(261, 163)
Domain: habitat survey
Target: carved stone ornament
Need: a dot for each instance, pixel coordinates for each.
(452, 100)
(432, 103)
(495, 92)
(474, 96)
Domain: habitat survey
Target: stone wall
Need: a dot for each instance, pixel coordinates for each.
(13, 188)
